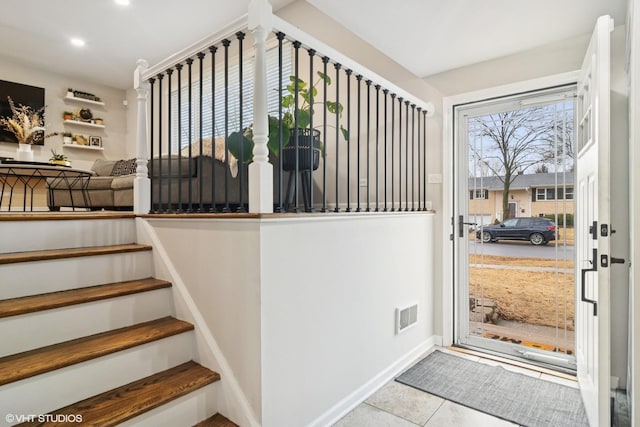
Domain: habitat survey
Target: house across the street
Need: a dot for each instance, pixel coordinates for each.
(537, 194)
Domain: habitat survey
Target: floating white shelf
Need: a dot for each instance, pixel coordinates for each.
(83, 147)
(83, 124)
(82, 100)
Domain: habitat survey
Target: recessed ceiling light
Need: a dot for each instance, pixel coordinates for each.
(77, 42)
(123, 2)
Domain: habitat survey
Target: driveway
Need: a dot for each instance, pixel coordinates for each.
(521, 250)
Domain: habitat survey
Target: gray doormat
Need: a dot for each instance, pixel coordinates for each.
(514, 397)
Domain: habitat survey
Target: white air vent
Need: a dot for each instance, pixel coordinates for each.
(406, 317)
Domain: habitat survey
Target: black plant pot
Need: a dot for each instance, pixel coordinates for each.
(306, 141)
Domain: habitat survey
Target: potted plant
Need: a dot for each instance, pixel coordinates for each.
(67, 115)
(241, 143)
(66, 138)
(59, 159)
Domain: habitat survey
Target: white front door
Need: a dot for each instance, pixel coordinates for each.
(593, 228)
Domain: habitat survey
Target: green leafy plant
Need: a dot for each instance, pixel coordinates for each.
(241, 143)
(58, 158)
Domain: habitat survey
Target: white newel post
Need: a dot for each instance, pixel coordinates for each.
(141, 184)
(260, 170)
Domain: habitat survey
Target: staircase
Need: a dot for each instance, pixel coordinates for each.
(86, 331)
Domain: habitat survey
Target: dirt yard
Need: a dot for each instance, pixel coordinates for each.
(538, 298)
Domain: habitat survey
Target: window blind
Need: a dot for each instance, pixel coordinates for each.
(218, 125)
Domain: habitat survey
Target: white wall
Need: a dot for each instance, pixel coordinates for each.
(317, 24)
(214, 265)
(300, 309)
(330, 287)
(55, 85)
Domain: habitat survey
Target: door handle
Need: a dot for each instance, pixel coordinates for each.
(461, 223)
(584, 271)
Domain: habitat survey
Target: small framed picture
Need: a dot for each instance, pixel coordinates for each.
(95, 141)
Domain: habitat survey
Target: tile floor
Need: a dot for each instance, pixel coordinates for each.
(398, 405)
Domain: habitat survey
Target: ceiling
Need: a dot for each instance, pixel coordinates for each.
(424, 36)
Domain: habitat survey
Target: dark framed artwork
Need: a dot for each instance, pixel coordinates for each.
(21, 94)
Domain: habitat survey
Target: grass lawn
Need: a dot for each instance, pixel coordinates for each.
(537, 298)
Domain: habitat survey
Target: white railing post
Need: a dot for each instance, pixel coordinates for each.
(260, 170)
(141, 183)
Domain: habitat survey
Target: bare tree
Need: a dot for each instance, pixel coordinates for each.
(511, 143)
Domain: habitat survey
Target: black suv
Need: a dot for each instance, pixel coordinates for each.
(539, 231)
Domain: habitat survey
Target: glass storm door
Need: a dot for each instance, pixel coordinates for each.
(515, 253)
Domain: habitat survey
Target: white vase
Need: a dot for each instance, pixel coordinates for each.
(24, 153)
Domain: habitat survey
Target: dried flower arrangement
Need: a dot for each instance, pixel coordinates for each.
(24, 123)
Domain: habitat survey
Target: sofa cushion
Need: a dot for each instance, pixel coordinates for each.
(124, 182)
(124, 167)
(103, 167)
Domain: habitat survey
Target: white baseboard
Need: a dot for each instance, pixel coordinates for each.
(358, 396)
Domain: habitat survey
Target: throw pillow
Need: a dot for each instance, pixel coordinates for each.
(124, 167)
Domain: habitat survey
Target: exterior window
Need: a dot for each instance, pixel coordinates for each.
(569, 194)
(550, 193)
(478, 194)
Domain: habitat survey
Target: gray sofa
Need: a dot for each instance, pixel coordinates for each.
(110, 188)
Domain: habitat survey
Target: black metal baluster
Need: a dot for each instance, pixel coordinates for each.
(241, 208)
(160, 176)
(226, 44)
(169, 141)
(368, 82)
(377, 145)
(179, 69)
(419, 166)
(280, 207)
(348, 72)
(189, 133)
(359, 79)
(337, 67)
(386, 120)
(400, 153)
(152, 82)
(296, 130)
(393, 149)
(406, 158)
(413, 157)
(424, 154)
(200, 137)
(213, 50)
(312, 136)
(325, 61)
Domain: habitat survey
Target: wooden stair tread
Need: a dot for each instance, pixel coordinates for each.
(63, 216)
(14, 257)
(126, 402)
(217, 420)
(34, 303)
(23, 365)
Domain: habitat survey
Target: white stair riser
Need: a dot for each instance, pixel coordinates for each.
(39, 277)
(34, 330)
(21, 236)
(56, 389)
(185, 411)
